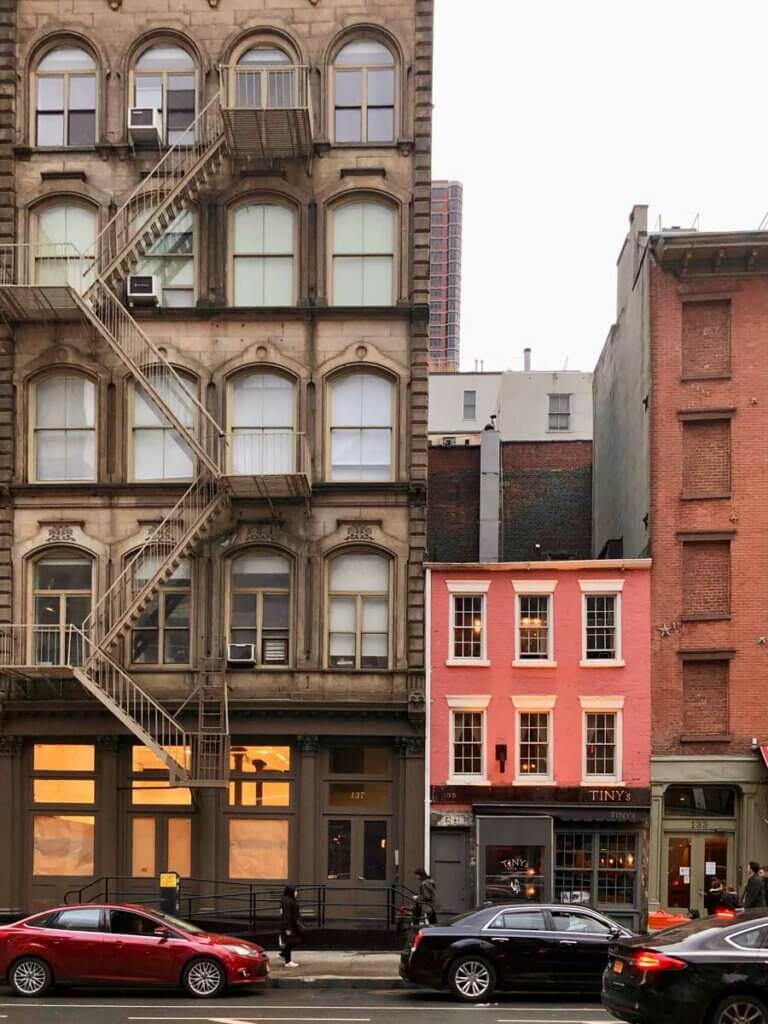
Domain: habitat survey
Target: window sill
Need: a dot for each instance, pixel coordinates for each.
(601, 663)
(719, 496)
(693, 738)
(467, 780)
(467, 663)
(714, 617)
(533, 663)
(534, 780)
(704, 376)
(158, 669)
(601, 780)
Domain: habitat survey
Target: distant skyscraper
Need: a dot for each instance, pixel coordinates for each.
(445, 275)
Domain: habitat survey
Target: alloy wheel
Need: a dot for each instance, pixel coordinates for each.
(473, 979)
(204, 977)
(742, 1012)
(30, 977)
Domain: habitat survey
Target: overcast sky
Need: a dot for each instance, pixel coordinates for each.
(557, 116)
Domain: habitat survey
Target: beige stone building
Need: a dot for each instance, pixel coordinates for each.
(215, 232)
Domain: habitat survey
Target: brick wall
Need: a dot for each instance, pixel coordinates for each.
(706, 338)
(7, 237)
(547, 500)
(705, 698)
(706, 579)
(706, 458)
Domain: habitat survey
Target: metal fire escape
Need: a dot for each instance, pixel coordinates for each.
(252, 107)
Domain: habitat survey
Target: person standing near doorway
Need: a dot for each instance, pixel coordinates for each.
(713, 897)
(291, 926)
(754, 890)
(426, 898)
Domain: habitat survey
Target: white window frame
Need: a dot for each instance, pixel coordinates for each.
(469, 588)
(603, 706)
(550, 413)
(542, 705)
(477, 704)
(601, 588)
(535, 588)
(464, 416)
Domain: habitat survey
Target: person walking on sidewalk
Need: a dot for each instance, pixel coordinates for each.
(754, 890)
(291, 926)
(426, 898)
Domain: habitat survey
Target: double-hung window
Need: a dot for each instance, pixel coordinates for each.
(159, 452)
(64, 244)
(534, 758)
(363, 254)
(361, 427)
(364, 93)
(261, 606)
(165, 79)
(171, 259)
(467, 742)
(601, 622)
(262, 255)
(358, 637)
(559, 412)
(467, 632)
(161, 633)
(602, 739)
(64, 419)
(534, 625)
(65, 98)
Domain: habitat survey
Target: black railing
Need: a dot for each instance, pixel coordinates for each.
(251, 906)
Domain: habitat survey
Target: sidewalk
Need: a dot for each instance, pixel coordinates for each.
(347, 969)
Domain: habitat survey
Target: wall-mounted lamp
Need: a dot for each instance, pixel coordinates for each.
(755, 745)
(501, 755)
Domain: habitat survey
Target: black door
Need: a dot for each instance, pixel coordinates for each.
(581, 948)
(449, 870)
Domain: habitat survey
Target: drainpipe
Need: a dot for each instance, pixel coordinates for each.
(490, 478)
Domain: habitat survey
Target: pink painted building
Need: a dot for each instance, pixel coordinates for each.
(539, 732)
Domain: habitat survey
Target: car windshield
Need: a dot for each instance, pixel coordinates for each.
(176, 922)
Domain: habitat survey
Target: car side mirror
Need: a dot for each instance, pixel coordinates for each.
(615, 932)
(162, 933)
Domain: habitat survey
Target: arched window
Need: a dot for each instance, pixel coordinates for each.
(260, 606)
(64, 427)
(159, 453)
(65, 98)
(358, 611)
(263, 249)
(264, 79)
(364, 93)
(62, 584)
(64, 236)
(361, 427)
(262, 424)
(171, 259)
(164, 78)
(363, 254)
(161, 633)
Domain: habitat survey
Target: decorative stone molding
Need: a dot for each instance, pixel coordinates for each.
(10, 746)
(262, 531)
(362, 532)
(410, 746)
(60, 532)
(308, 744)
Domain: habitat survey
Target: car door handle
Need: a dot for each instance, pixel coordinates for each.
(568, 942)
(499, 939)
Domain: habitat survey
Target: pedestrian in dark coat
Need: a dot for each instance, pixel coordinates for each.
(754, 890)
(426, 898)
(291, 926)
(713, 898)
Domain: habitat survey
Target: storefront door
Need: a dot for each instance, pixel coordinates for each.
(357, 866)
(693, 860)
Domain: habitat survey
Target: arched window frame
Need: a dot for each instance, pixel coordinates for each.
(358, 596)
(47, 644)
(263, 201)
(164, 73)
(168, 429)
(144, 264)
(35, 430)
(73, 264)
(284, 457)
(364, 70)
(37, 74)
(332, 381)
(159, 604)
(241, 634)
(363, 199)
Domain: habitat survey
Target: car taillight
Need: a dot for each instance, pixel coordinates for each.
(645, 960)
(416, 940)
(726, 912)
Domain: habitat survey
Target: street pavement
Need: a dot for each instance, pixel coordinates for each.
(313, 1006)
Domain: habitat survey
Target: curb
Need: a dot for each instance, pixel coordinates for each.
(337, 981)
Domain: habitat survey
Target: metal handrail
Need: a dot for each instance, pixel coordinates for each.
(261, 451)
(265, 87)
(18, 260)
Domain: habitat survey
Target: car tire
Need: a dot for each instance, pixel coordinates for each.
(204, 978)
(30, 977)
(472, 979)
(741, 1009)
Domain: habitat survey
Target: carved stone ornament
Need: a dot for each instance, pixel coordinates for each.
(262, 531)
(10, 746)
(308, 744)
(60, 532)
(115, 4)
(362, 532)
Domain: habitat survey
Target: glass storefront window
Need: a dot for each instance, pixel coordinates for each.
(180, 846)
(514, 873)
(710, 801)
(144, 760)
(573, 867)
(146, 792)
(259, 794)
(143, 847)
(253, 759)
(64, 791)
(258, 848)
(375, 850)
(617, 868)
(63, 757)
(63, 845)
(359, 760)
(593, 867)
(362, 796)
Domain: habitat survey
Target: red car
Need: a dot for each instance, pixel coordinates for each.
(123, 944)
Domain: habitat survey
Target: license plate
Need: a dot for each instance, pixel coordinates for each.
(618, 966)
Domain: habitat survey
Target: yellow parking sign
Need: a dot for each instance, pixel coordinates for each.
(169, 880)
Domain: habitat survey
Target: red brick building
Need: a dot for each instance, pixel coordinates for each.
(679, 473)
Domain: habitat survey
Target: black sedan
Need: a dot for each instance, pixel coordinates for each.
(517, 948)
(713, 971)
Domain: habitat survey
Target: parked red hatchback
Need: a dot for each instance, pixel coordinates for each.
(120, 944)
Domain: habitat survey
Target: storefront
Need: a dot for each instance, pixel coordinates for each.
(568, 846)
(708, 819)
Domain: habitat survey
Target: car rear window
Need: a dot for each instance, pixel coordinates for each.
(753, 938)
(520, 921)
(85, 920)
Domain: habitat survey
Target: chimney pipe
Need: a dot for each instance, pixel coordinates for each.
(490, 494)
(526, 359)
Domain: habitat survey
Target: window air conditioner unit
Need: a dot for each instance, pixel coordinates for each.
(144, 125)
(241, 654)
(449, 442)
(143, 290)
